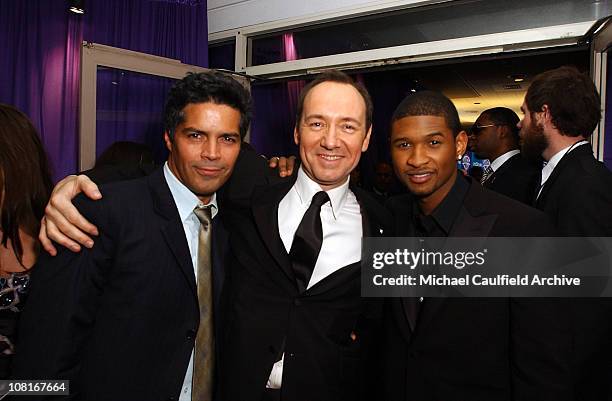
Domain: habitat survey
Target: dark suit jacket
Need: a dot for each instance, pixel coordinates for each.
(119, 320)
(517, 178)
(268, 315)
(474, 349)
(578, 199)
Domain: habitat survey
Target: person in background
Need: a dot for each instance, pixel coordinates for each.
(383, 182)
(561, 110)
(123, 160)
(495, 137)
(25, 185)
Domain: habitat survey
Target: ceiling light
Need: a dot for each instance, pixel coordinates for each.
(77, 6)
(517, 77)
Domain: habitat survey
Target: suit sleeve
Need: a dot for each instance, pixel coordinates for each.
(60, 312)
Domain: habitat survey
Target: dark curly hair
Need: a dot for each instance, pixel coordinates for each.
(210, 86)
(571, 97)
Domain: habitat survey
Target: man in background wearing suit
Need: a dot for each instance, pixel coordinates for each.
(136, 316)
(561, 110)
(298, 329)
(495, 136)
(495, 349)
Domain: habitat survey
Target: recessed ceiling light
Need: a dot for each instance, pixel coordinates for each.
(517, 77)
(476, 102)
(77, 6)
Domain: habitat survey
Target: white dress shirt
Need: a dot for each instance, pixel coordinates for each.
(186, 201)
(497, 163)
(342, 233)
(548, 169)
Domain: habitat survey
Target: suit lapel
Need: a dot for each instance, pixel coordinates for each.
(265, 214)
(172, 230)
(471, 222)
(370, 228)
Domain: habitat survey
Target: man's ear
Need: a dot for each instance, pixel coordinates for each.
(168, 141)
(366, 140)
(461, 141)
(296, 135)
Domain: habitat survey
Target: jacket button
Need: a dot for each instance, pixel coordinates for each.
(413, 354)
(171, 398)
(191, 334)
(297, 302)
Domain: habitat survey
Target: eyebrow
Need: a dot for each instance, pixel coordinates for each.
(199, 131)
(322, 117)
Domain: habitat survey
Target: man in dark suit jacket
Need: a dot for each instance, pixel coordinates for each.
(576, 193)
(120, 320)
(295, 336)
(494, 136)
(454, 349)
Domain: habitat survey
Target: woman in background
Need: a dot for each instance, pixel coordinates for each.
(25, 187)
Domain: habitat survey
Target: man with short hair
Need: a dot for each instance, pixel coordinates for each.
(494, 136)
(137, 316)
(561, 110)
(298, 327)
(463, 348)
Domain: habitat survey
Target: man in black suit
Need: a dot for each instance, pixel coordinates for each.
(136, 316)
(561, 110)
(494, 136)
(297, 326)
(456, 349)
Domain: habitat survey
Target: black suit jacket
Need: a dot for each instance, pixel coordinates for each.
(474, 349)
(517, 178)
(119, 320)
(578, 199)
(267, 315)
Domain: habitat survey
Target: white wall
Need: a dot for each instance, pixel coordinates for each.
(224, 15)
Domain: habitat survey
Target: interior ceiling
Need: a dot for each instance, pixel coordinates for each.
(476, 86)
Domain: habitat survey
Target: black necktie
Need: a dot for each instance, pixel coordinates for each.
(307, 241)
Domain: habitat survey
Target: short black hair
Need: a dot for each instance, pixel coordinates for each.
(341, 78)
(571, 97)
(429, 103)
(210, 86)
(504, 116)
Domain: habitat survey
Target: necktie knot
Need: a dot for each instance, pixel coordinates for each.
(318, 200)
(204, 214)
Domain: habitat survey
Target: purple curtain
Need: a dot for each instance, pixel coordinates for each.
(39, 72)
(39, 60)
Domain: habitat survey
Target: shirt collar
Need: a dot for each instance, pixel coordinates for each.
(306, 188)
(186, 200)
(553, 161)
(497, 163)
(447, 211)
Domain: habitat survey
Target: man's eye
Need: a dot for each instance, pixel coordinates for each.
(434, 142)
(348, 127)
(195, 135)
(228, 138)
(403, 145)
(316, 125)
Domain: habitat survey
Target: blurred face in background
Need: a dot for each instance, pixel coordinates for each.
(533, 140)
